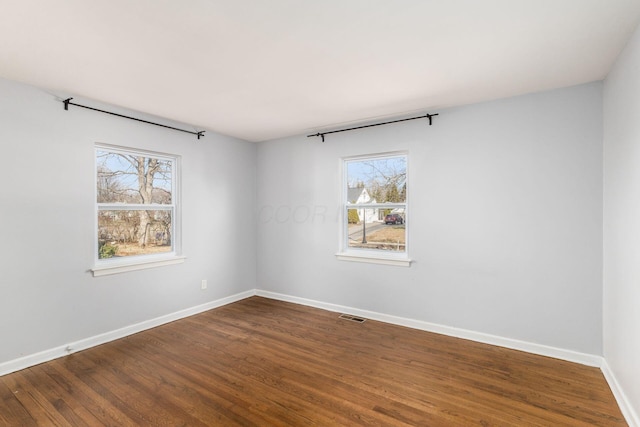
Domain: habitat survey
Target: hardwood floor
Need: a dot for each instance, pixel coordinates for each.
(260, 362)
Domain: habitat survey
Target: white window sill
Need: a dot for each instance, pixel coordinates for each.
(122, 267)
(374, 259)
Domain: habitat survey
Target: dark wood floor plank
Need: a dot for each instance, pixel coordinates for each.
(263, 362)
(11, 410)
(42, 411)
(133, 394)
(80, 394)
(371, 382)
(64, 400)
(235, 375)
(167, 382)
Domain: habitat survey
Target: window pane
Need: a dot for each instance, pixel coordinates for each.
(377, 180)
(124, 233)
(128, 178)
(377, 228)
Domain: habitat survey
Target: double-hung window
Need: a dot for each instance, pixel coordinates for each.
(136, 209)
(374, 209)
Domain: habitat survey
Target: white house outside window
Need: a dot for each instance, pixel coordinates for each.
(136, 208)
(375, 209)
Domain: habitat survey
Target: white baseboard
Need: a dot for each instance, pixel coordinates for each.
(45, 356)
(54, 353)
(543, 350)
(631, 416)
(572, 356)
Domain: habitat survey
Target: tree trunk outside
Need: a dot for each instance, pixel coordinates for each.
(145, 227)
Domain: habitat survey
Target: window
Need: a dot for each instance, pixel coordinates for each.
(374, 213)
(136, 209)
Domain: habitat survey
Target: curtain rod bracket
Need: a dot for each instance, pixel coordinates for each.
(67, 102)
(317, 134)
(322, 134)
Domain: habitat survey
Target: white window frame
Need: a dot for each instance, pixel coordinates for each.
(108, 266)
(375, 256)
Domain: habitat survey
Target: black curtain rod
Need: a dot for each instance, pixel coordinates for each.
(68, 102)
(322, 134)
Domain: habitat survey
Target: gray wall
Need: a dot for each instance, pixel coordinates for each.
(505, 211)
(47, 296)
(622, 221)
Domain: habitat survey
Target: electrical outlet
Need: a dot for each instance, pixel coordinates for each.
(203, 285)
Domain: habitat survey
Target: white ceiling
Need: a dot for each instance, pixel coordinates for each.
(262, 69)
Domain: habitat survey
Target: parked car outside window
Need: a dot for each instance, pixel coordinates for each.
(393, 219)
